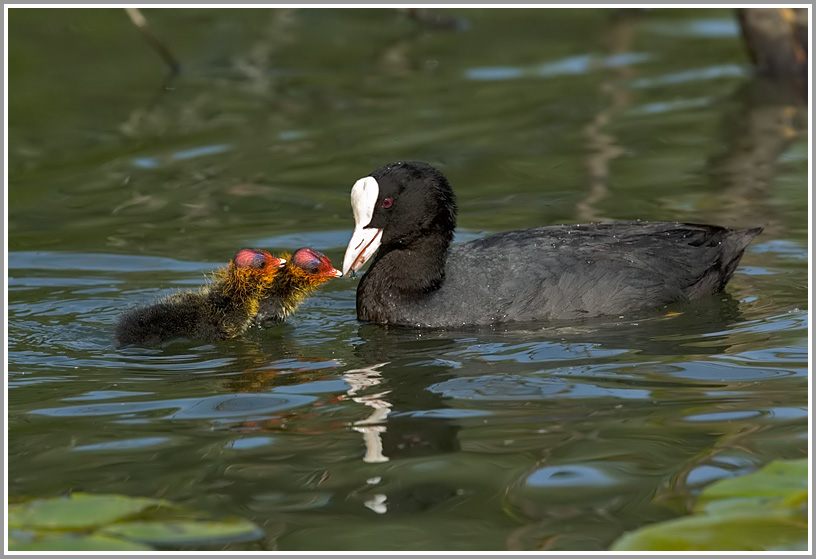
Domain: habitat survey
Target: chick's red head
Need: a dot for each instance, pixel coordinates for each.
(315, 263)
(256, 259)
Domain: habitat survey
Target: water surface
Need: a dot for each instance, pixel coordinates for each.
(331, 434)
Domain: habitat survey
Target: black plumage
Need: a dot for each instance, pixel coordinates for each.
(222, 309)
(563, 272)
(256, 288)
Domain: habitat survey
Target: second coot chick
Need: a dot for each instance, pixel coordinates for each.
(405, 216)
(305, 271)
(255, 288)
(221, 310)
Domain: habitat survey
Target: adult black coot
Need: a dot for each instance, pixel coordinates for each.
(405, 216)
(255, 286)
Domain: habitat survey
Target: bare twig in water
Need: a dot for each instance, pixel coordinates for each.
(433, 18)
(141, 24)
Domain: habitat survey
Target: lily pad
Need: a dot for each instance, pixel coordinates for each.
(67, 542)
(79, 510)
(762, 511)
(783, 480)
(186, 532)
(703, 532)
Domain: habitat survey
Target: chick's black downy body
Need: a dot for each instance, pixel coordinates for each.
(256, 288)
(221, 310)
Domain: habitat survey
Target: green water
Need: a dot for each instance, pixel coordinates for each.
(330, 434)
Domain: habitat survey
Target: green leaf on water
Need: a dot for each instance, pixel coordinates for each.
(762, 511)
(79, 510)
(778, 480)
(68, 542)
(703, 532)
(186, 532)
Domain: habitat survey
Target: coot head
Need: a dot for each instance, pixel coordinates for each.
(249, 270)
(306, 270)
(256, 259)
(395, 206)
(314, 263)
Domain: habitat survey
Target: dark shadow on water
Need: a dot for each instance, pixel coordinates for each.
(663, 331)
(422, 421)
(410, 368)
(411, 361)
(764, 118)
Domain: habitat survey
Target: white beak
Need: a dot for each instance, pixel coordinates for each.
(364, 243)
(365, 240)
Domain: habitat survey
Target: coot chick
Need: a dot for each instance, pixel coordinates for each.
(406, 213)
(221, 310)
(304, 271)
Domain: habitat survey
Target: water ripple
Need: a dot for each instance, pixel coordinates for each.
(694, 75)
(242, 406)
(182, 155)
(572, 65)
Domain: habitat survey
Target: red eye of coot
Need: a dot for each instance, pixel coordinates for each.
(386, 203)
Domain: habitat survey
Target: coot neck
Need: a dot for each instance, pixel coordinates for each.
(410, 269)
(281, 298)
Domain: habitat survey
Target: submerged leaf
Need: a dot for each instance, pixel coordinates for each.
(761, 511)
(703, 532)
(67, 542)
(79, 510)
(780, 479)
(186, 532)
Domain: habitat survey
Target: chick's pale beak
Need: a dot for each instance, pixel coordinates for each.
(364, 243)
(277, 262)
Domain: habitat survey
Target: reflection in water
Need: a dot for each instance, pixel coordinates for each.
(371, 427)
(435, 18)
(777, 42)
(690, 76)
(766, 118)
(639, 396)
(411, 381)
(602, 147)
(335, 435)
(407, 375)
